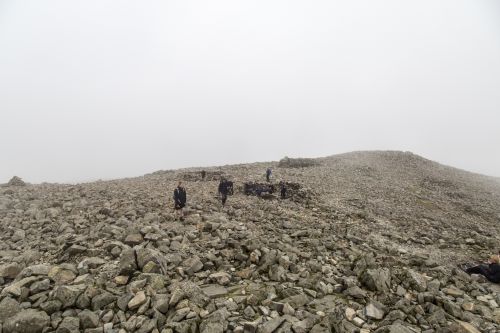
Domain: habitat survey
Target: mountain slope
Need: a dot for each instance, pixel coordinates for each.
(370, 240)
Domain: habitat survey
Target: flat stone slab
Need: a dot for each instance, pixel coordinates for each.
(215, 291)
(325, 304)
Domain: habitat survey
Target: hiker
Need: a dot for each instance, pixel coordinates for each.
(490, 270)
(283, 190)
(230, 187)
(180, 200)
(268, 174)
(203, 174)
(223, 191)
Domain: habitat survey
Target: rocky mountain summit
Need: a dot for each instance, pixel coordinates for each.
(372, 248)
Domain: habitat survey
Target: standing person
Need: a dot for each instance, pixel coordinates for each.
(203, 174)
(283, 190)
(223, 191)
(180, 199)
(268, 174)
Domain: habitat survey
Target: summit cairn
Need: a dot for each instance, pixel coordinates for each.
(16, 181)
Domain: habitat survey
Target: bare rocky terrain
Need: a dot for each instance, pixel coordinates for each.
(367, 242)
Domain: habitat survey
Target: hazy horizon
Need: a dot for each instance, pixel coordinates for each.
(209, 166)
(104, 89)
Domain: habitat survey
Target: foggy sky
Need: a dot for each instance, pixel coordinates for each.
(107, 89)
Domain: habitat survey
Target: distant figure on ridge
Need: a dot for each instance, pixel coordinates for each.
(203, 174)
(283, 190)
(223, 191)
(490, 270)
(180, 199)
(268, 174)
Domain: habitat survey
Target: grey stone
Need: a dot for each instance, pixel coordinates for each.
(453, 309)
(396, 328)
(297, 301)
(271, 325)
(250, 327)
(137, 300)
(215, 322)
(67, 295)
(10, 271)
(147, 326)
(161, 303)
(374, 310)
(108, 328)
(95, 330)
(133, 239)
(192, 265)
(416, 281)
(92, 262)
(18, 235)
(15, 288)
(8, 308)
(211, 327)
(76, 249)
(62, 275)
(376, 279)
(249, 312)
(215, 291)
(320, 328)
(40, 286)
(221, 278)
(122, 301)
(303, 326)
(88, 319)
(438, 317)
(101, 300)
(27, 321)
(69, 325)
(51, 306)
(355, 292)
(463, 327)
(128, 263)
(41, 269)
(146, 255)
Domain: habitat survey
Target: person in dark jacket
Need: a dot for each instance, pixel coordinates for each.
(230, 187)
(283, 190)
(491, 270)
(203, 174)
(223, 191)
(268, 174)
(180, 199)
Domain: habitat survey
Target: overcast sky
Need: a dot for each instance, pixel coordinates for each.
(108, 89)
